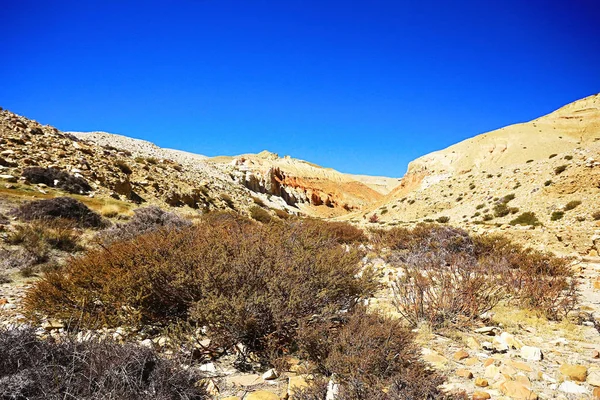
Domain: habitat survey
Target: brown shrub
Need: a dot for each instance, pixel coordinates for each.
(97, 369)
(246, 282)
(260, 214)
(371, 355)
(54, 177)
(447, 277)
(341, 231)
(60, 208)
(144, 220)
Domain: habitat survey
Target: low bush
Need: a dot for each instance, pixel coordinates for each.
(122, 165)
(526, 218)
(343, 232)
(596, 216)
(572, 204)
(448, 277)
(54, 177)
(548, 183)
(443, 219)
(370, 357)
(65, 208)
(246, 282)
(228, 200)
(260, 214)
(556, 215)
(501, 210)
(480, 206)
(144, 220)
(4, 278)
(31, 368)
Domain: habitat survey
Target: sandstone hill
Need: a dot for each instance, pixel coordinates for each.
(549, 166)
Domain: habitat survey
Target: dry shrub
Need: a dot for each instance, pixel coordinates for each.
(122, 165)
(4, 278)
(65, 208)
(246, 282)
(259, 214)
(572, 204)
(110, 210)
(54, 177)
(526, 218)
(341, 231)
(31, 368)
(144, 220)
(447, 277)
(371, 357)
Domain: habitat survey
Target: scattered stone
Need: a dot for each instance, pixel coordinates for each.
(436, 360)
(208, 367)
(511, 340)
(52, 324)
(481, 396)
(244, 380)
(481, 382)
(520, 366)
(464, 373)
(596, 393)
(596, 354)
(488, 362)
(517, 390)
(593, 377)
(531, 353)
(572, 387)
(576, 373)
(471, 361)
(261, 395)
(472, 343)
(270, 375)
(487, 330)
(460, 355)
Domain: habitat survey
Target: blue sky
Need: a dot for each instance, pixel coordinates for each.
(360, 86)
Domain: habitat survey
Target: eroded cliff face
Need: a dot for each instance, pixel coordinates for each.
(302, 191)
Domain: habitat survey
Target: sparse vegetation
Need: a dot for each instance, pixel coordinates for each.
(556, 215)
(568, 157)
(560, 169)
(228, 200)
(548, 183)
(526, 218)
(443, 219)
(479, 206)
(572, 204)
(123, 167)
(596, 216)
(54, 177)
(552, 155)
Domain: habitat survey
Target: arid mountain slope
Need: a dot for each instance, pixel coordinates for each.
(137, 171)
(545, 164)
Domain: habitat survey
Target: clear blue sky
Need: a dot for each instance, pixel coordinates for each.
(360, 86)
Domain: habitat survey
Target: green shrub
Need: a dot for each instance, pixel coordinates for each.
(526, 218)
(556, 215)
(488, 217)
(548, 183)
(572, 204)
(568, 157)
(596, 216)
(480, 206)
(501, 210)
(553, 155)
(443, 219)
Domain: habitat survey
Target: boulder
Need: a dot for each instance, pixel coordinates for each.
(481, 396)
(517, 390)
